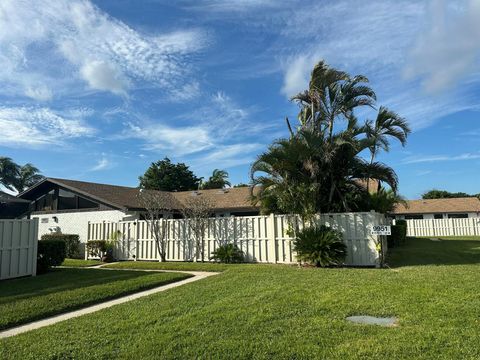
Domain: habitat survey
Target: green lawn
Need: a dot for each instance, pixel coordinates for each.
(27, 299)
(81, 263)
(285, 312)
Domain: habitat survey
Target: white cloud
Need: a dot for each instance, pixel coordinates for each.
(38, 127)
(41, 93)
(376, 39)
(40, 39)
(102, 76)
(227, 156)
(439, 158)
(297, 74)
(102, 164)
(179, 140)
(449, 50)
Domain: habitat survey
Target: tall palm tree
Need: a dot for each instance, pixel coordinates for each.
(218, 180)
(332, 94)
(8, 172)
(310, 173)
(27, 176)
(388, 124)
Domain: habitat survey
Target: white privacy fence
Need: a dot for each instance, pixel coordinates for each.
(18, 248)
(444, 227)
(263, 239)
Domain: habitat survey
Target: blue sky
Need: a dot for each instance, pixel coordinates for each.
(97, 90)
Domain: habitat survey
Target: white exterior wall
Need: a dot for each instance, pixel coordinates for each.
(76, 222)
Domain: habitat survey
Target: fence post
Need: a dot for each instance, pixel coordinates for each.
(88, 238)
(35, 247)
(137, 231)
(272, 239)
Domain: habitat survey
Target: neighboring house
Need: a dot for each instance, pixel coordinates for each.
(455, 208)
(68, 205)
(12, 207)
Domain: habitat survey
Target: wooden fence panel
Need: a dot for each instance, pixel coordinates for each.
(18, 248)
(263, 239)
(444, 227)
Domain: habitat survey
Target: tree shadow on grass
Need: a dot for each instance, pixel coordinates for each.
(422, 251)
(58, 280)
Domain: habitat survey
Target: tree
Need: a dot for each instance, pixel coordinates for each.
(309, 173)
(166, 176)
(332, 94)
(157, 204)
(218, 180)
(319, 169)
(388, 124)
(8, 172)
(384, 201)
(442, 194)
(27, 175)
(239, 185)
(197, 211)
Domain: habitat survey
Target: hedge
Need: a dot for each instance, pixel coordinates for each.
(50, 253)
(72, 243)
(399, 235)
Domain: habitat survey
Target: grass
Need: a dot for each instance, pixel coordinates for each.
(27, 299)
(448, 251)
(285, 312)
(181, 266)
(81, 263)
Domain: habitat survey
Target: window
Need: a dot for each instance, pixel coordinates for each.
(86, 204)
(438, 216)
(457, 216)
(413, 217)
(66, 200)
(69, 201)
(45, 202)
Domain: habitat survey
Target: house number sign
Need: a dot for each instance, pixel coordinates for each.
(381, 230)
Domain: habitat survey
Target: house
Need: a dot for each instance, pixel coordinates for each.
(454, 208)
(12, 207)
(68, 205)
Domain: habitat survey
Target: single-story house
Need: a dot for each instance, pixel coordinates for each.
(454, 208)
(67, 206)
(11, 206)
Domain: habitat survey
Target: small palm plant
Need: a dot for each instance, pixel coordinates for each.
(228, 253)
(320, 246)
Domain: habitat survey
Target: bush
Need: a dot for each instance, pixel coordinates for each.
(399, 235)
(228, 254)
(96, 247)
(72, 243)
(320, 246)
(50, 253)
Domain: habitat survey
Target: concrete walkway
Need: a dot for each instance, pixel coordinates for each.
(197, 275)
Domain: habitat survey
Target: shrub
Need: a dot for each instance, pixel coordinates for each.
(72, 243)
(229, 253)
(320, 246)
(50, 253)
(96, 247)
(399, 235)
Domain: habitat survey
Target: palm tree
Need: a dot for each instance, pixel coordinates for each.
(27, 175)
(8, 172)
(388, 124)
(310, 173)
(332, 94)
(218, 180)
